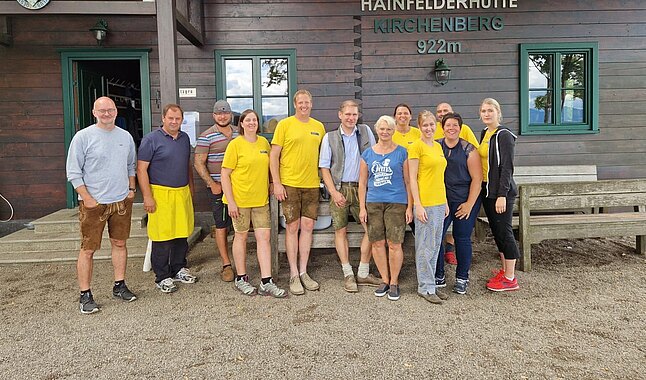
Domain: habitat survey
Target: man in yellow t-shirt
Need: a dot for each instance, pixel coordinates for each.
(465, 132)
(405, 139)
(294, 168)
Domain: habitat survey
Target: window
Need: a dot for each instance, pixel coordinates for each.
(263, 80)
(559, 88)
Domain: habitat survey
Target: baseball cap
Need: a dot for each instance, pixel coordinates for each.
(221, 106)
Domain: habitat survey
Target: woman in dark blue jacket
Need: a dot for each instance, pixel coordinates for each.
(499, 191)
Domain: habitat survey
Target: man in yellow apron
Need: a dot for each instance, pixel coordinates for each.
(165, 177)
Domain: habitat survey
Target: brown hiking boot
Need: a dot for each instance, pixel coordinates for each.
(227, 274)
(308, 283)
(369, 280)
(349, 284)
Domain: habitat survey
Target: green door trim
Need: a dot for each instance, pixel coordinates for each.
(68, 56)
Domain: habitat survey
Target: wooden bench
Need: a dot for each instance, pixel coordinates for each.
(624, 194)
(320, 238)
(540, 174)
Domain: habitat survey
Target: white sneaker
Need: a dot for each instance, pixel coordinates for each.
(185, 277)
(271, 289)
(245, 287)
(166, 285)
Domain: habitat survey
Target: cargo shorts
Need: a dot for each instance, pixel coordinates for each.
(386, 221)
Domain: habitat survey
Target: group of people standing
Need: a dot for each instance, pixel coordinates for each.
(446, 174)
(427, 177)
(102, 166)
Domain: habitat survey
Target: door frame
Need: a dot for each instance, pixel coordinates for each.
(68, 57)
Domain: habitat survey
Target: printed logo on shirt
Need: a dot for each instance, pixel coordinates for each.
(382, 172)
(262, 151)
(315, 133)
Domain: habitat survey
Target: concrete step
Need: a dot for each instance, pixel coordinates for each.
(30, 241)
(67, 220)
(136, 249)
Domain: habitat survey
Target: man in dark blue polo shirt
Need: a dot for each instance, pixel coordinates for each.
(165, 177)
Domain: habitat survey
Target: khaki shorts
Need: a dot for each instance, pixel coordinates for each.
(386, 221)
(340, 214)
(92, 221)
(257, 216)
(301, 202)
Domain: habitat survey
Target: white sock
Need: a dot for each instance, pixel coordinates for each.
(510, 279)
(364, 270)
(347, 270)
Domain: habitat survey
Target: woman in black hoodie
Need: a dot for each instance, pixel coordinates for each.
(499, 191)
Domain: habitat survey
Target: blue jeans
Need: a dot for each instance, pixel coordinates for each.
(428, 239)
(462, 229)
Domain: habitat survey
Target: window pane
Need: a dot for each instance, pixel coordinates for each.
(238, 77)
(540, 71)
(572, 70)
(540, 107)
(238, 105)
(274, 76)
(572, 106)
(273, 110)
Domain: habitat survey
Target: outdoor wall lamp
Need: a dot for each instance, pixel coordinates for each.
(442, 72)
(100, 31)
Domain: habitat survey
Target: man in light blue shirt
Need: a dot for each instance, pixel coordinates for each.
(339, 160)
(101, 167)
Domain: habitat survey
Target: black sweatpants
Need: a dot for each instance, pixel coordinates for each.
(168, 257)
(501, 228)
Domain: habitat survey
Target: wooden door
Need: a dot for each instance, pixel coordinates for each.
(88, 86)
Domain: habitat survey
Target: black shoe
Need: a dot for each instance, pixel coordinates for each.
(393, 293)
(440, 282)
(382, 290)
(124, 293)
(87, 304)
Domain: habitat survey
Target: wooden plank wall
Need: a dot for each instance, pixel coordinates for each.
(392, 71)
(32, 150)
(326, 41)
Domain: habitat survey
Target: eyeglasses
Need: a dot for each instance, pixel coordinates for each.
(106, 111)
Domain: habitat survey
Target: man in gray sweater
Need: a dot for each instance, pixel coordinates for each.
(101, 166)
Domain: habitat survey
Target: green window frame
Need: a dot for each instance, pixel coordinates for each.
(255, 78)
(559, 88)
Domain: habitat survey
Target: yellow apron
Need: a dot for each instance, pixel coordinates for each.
(173, 217)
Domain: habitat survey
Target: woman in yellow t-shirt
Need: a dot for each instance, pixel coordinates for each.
(404, 133)
(426, 165)
(499, 191)
(245, 182)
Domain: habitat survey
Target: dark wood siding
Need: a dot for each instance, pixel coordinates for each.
(32, 142)
(389, 68)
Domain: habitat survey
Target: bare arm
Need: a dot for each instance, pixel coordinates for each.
(474, 165)
(131, 185)
(201, 169)
(144, 186)
(227, 188)
(411, 168)
(363, 189)
(88, 200)
(191, 185)
(274, 167)
(338, 198)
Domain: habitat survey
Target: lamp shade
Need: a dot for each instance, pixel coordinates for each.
(442, 72)
(100, 30)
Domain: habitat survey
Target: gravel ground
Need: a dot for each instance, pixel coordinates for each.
(578, 315)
